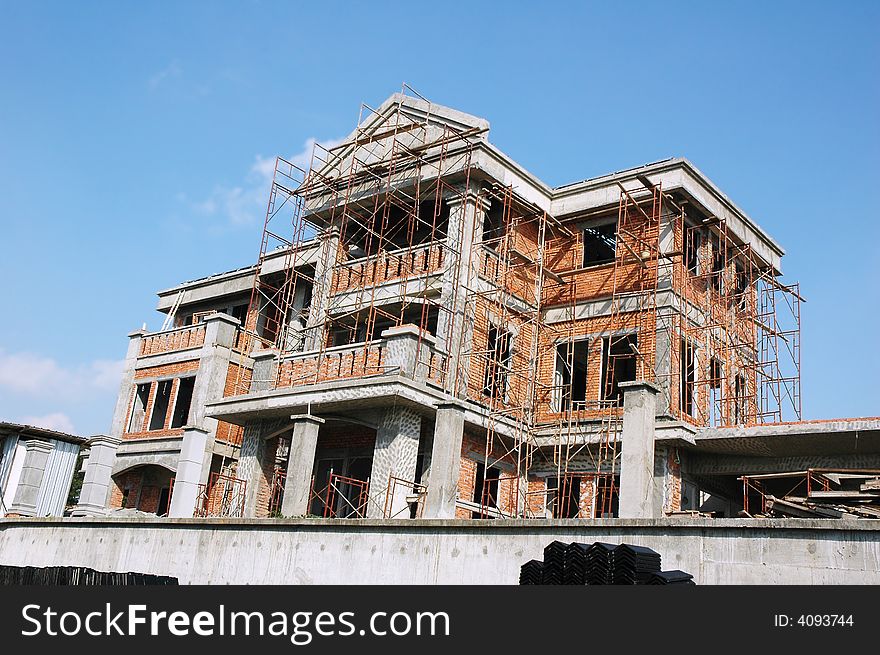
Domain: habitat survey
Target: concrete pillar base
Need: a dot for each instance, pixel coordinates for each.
(637, 453)
(97, 479)
(189, 472)
(445, 461)
(301, 461)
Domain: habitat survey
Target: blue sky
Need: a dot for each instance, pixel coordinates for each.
(134, 141)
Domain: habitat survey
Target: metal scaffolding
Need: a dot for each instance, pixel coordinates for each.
(370, 237)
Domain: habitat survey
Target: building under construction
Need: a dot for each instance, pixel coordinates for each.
(431, 331)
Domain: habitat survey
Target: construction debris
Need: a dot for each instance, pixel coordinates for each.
(814, 493)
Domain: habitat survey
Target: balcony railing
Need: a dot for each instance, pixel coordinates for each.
(190, 336)
(352, 361)
(403, 350)
(387, 266)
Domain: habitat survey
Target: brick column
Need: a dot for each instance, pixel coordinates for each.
(300, 462)
(395, 454)
(95, 490)
(31, 479)
(189, 472)
(637, 455)
(445, 461)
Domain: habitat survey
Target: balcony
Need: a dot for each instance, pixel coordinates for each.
(403, 350)
(174, 340)
(387, 266)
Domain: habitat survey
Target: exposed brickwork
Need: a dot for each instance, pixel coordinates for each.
(536, 496)
(151, 373)
(238, 380)
(144, 485)
(632, 322)
(353, 362)
(467, 479)
(384, 267)
(586, 503)
(229, 433)
(265, 477)
(672, 495)
(179, 339)
(346, 435)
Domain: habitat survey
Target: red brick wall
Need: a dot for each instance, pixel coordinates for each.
(144, 374)
(384, 267)
(264, 479)
(356, 362)
(177, 340)
(238, 380)
(144, 485)
(673, 482)
(346, 435)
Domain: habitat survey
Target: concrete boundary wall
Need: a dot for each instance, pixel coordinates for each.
(318, 551)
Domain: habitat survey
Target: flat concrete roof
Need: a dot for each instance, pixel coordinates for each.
(821, 437)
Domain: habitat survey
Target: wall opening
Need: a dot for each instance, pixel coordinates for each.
(182, 403)
(160, 404)
(619, 360)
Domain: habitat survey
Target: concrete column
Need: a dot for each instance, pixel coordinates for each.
(211, 379)
(28, 491)
(95, 490)
(189, 472)
(637, 454)
(663, 346)
(459, 272)
(301, 461)
(321, 289)
(445, 461)
(123, 399)
(396, 454)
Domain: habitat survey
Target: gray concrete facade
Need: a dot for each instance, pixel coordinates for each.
(341, 551)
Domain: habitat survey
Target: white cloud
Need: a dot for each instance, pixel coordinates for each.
(34, 374)
(55, 421)
(245, 203)
(171, 70)
(303, 158)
